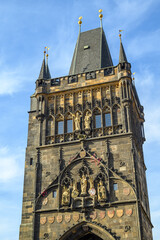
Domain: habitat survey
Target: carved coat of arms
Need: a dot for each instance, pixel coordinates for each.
(129, 212)
(119, 213)
(67, 218)
(59, 218)
(43, 220)
(76, 217)
(110, 213)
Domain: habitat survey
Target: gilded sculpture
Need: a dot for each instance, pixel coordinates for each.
(66, 196)
(101, 192)
(83, 185)
(75, 191)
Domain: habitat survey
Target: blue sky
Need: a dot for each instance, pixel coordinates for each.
(26, 27)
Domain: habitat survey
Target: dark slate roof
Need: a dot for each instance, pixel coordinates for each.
(91, 52)
(44, 73)
(48, 75)
(122, 55)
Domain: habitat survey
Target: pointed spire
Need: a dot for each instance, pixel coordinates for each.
(42, 74)
(45, 73)
(122, 55)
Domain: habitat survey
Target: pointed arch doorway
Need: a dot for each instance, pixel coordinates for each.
(90, 236)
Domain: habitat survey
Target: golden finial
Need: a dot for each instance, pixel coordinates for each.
(133, 76)
(100, 15)
(80, 22)
(120, 33)
(47, 48)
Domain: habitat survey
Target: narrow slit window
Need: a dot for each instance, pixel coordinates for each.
(31, 161)
(60, 127)
(107, 119)
(98, 121)
(54, 193)
(69, 126)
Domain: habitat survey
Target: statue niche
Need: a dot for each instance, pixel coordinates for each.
(101, 192)
(66, 196)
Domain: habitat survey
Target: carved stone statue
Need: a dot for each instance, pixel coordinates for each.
(66, 196)
(83, 185)
(75, 191)
(101, 192)
(77, 121)
(87, 120)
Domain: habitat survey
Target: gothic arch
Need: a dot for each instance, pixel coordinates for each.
(84, 228)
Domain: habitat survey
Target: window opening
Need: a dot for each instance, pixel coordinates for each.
(98, 121)
(115, 186)
(54, 193)
(69, 126)
(60, 127)
(31, 161)
(107, 119)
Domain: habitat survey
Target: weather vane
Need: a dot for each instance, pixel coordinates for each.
(100, 15)
(80, 22)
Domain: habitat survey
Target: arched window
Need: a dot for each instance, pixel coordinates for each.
(60, 128)
(97, 119)
(68, 123)
(59, 125)
(107, 117)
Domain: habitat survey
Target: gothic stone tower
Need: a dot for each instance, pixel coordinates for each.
(84, 168)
